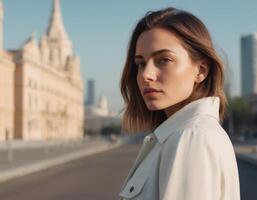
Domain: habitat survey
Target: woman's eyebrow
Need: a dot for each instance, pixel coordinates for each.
(155, 53)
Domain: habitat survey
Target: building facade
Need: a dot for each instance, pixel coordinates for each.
(47, 85)
(7, 68)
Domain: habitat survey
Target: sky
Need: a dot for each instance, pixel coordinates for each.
(100, 31)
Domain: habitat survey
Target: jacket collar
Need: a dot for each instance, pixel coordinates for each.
(204, 106)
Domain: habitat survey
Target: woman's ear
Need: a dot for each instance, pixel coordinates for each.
(203, 70)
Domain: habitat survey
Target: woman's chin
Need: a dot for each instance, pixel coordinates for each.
(154, 107)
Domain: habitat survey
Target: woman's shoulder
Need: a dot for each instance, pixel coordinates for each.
(205, 127)
(211, 129)
(202, 132)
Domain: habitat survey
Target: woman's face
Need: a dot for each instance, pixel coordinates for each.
(163, 65)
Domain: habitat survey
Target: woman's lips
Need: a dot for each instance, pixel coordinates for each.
(152, 93)
(150, 89)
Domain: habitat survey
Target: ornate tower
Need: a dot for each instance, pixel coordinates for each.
(60, 46)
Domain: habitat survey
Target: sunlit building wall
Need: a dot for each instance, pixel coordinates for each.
(6, 88)
(6, 96)
(44, 86)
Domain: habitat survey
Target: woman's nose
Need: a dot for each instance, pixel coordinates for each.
(149, 72)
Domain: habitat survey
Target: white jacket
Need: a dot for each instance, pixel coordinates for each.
(187, 157)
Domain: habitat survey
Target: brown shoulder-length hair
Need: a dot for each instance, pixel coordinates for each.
(196, 40)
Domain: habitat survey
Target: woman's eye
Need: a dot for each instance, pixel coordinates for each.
(163, 61)
(140, 65)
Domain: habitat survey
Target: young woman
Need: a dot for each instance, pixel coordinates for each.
(172, 85)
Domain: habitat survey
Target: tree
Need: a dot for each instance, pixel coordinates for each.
(239, 115)
(111, 129)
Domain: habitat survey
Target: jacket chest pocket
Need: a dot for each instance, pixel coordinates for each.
(133, 188)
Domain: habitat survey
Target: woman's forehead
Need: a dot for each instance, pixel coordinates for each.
(157, 39)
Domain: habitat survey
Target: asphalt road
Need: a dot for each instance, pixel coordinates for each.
(248, 180)
(96, 177)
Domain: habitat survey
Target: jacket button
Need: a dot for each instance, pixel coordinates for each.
(149, 139)
(131, 189)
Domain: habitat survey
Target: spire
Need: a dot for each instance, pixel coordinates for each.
(33, 35)
(56, 27)
(60, 47)
(31, 39)
(30, 47)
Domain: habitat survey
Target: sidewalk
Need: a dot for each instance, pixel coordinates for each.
(29, 157)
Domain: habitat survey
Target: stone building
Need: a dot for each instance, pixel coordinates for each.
(46, 81)
(6, 95)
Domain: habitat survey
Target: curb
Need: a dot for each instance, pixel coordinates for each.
(45, 164)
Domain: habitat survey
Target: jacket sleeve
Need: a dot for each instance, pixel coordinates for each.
(194, 171)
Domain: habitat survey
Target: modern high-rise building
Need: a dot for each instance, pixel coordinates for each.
(90, 92)
(249, 65)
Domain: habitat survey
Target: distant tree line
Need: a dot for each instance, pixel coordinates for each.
(107, 130)
(239, 118)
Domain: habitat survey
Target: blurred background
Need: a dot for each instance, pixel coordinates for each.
(60, 104)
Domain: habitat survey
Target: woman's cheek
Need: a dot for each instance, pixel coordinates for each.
(139, 83)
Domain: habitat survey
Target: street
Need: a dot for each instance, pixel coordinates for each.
(248, 180)
(96, 177)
